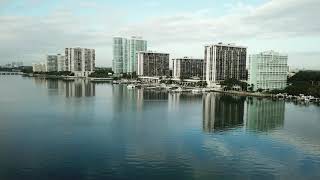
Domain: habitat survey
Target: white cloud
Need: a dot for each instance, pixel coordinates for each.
(29, 38)
(275, 20)
(182, 34)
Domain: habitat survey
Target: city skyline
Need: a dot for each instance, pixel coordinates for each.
(168, 26)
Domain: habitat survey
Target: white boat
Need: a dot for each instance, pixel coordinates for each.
(131, 86)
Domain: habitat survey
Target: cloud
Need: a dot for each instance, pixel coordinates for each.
(181, 33)
(30, 38)
(277, 18)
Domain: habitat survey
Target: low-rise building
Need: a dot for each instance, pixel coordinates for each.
(39, 67)
(153, 64)
(187, 68)
(268, 70)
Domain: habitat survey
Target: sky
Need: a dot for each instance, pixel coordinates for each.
(30, 29)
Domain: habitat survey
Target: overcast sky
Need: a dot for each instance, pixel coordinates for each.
(29, 29)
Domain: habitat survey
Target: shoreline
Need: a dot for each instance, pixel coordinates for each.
(195, 90)
(243, 93)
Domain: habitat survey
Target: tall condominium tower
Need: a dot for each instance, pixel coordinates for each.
(52, 63)
(136, 44)
(153, 64)
(224, 61)
(125, 53)
(61, 62)
(268, 70)
(80, 61)
(120, 55)
(187, 67)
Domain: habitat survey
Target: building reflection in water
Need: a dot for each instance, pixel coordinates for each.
(222, 112)
(72, 88)
(125, 99)
(264, 114)
(52, 84)
(79, 88)
(39, 82)
(136, 99)
(150, 95)
(146, 97)
(176, 99)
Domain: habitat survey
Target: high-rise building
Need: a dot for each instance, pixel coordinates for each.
(268, 70)
(224, 61)
(153, 64)
(80, 61)
(187, 68)
(61, 62)
(125, 53)
(52, 63)
(137, 44)
(120, 55)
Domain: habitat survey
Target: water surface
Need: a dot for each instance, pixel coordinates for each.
(80, 130)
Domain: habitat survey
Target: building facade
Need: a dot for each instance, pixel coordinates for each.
(153, 64)
(120, 55)
(187, 68)
(39, 67)
(224, 61)
(80, 61)
(52, 63)
(268, 70)
(137, 44)
(61, 62)
(125, 53)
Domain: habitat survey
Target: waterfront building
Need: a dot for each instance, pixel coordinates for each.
(187, 68)
(125, 53)
(137, 44)
(224, 61)
(80, 61)
(52, 63)
(120, 55)
(38, 67)
(268, 70)
(153, 64)
(61, 62)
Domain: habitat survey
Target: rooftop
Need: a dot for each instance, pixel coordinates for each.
(227, 45)
(151, 52)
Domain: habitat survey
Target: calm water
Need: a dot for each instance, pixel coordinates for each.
(80, 130)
